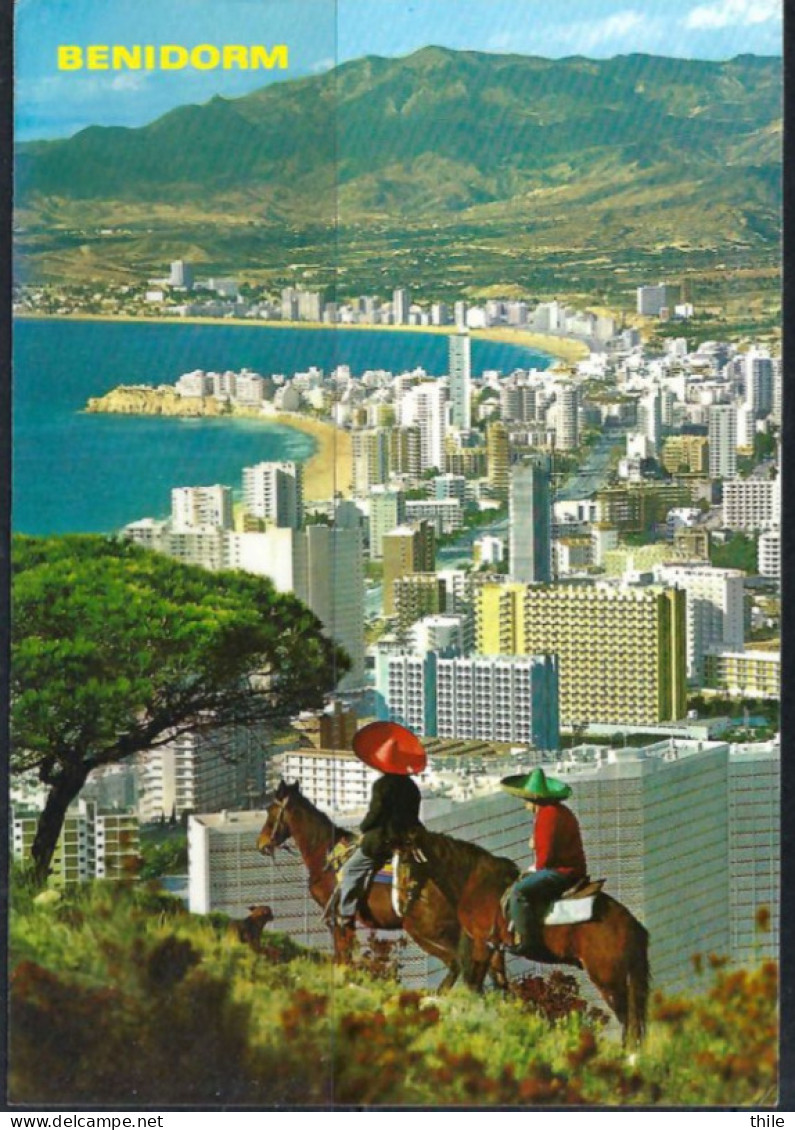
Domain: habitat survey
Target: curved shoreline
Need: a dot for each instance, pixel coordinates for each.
(328, 469)
(568, 350)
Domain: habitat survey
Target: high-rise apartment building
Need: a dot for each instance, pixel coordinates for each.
(686, 455)
(93, 844)
(715, 609)
(417, 595)
(460, 381)
(621, 650)
(406, 550)
(567, 410)
(203, 771)
(653, 299)
(333, 779)
(752, 504)
(446, 515)
(401, 304)
(195, 507)
(498, 457)
(530, 522)
(769, 554)
(426, 407)
(371, 458)
(722, 441)
(181, 275)
(329, 578)
(759, 382)
(387, 512)
(275, 493)
(501, 698)
(518, 400)
(405, 451)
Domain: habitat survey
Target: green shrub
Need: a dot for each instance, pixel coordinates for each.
(117, 998)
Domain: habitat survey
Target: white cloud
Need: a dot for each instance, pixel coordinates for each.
(734, 13)
(130, 80)
(626, 29)
(323, 65)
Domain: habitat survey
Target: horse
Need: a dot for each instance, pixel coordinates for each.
(611, 948)
(428, 917)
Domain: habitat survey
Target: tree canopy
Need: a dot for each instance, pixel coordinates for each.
(115, 650)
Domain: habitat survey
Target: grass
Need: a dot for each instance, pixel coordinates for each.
(119, 996)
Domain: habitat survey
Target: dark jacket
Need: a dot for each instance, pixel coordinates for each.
(394, 809)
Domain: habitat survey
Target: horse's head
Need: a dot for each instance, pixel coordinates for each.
(276, 829)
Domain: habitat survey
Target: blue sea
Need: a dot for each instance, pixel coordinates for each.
(80, 473)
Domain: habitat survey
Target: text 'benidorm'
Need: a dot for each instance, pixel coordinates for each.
(171, 57)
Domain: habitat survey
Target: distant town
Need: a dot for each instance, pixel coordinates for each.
(576, 566)
(183, 294)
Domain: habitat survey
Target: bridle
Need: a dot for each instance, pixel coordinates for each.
(280, 828)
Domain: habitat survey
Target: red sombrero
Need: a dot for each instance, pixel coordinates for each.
(389, 748)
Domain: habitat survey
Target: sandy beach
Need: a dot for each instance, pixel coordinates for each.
(330, 468)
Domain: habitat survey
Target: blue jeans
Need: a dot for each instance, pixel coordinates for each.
(530, 899)
(354, 880)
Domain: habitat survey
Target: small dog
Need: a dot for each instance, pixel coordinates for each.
(249, 930)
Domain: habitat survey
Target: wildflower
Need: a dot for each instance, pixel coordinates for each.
(763, 919)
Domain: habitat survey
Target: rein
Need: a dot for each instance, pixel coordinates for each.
(281, 819)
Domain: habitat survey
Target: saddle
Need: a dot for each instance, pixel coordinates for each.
(574, 905)
(389, 874)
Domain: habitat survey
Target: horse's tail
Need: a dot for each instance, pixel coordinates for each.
(638, 984)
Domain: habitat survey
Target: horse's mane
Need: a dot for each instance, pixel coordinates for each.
(458, 858)
(332, 830)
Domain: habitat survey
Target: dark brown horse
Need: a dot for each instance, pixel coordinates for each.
(429, 918)
(612, 948)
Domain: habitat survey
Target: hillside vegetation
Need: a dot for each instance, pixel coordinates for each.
(119, 996)
(445, 171)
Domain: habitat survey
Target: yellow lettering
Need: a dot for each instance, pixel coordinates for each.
(69, 58)
(261, 57)
(96, 57)
(235, 56)
(149, 56)
(205, 57)
(122, 57)
(173, 58)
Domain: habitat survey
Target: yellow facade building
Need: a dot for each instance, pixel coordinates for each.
(621, 649)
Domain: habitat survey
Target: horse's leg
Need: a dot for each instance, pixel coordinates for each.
(497, 970)
(478, 964)
(608, 974)
(451, 977)
(343, 937)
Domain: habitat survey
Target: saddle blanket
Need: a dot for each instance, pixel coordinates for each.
(566, 912)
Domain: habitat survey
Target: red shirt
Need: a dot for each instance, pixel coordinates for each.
(557, 842)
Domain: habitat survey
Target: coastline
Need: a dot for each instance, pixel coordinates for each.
(567, 350)
(328, 469)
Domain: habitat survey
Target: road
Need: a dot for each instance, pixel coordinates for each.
(592, 475)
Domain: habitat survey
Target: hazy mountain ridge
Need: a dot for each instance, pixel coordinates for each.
(444, 138)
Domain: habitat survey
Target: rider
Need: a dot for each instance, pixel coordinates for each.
(559, 856)
(394, 808)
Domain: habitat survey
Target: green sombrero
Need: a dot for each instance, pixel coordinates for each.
(535, 786)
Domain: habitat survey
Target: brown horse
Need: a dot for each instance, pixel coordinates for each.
(428, 918)
(612, 948)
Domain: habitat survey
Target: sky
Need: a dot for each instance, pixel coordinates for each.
(321, 33)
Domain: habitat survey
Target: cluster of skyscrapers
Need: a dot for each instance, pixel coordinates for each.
(516, 562)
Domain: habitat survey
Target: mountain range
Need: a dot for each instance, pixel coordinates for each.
(637, 151)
